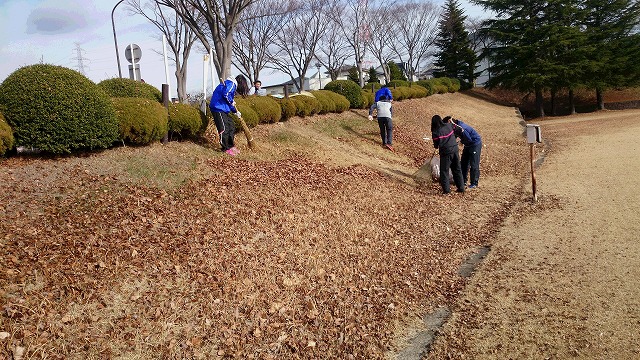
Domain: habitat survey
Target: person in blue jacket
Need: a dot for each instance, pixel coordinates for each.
(470, 160)
(383, 91)
(222, 103)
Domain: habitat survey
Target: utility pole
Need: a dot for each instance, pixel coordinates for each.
(80, 59)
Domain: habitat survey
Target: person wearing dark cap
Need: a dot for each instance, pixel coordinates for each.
(470, 160)
(444, 139)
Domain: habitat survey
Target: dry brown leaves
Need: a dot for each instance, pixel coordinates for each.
(258, 259)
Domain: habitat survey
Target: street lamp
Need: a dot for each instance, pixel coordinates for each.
(115, 40)
(318, 65)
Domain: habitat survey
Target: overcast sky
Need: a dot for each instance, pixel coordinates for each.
(70, 32)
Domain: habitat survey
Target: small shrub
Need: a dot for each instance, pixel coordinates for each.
(142, 121)
(303, 108)
(326, 102)
(126, 88)
(288, 108)
(57, 110)
(368, 98)
(455, 85)
(312, 102)
(420, 91)
(266, 107)
(6, 137)
(348, 89)
(249, 116)
(427, 84)
(185, 120)
(341, 103)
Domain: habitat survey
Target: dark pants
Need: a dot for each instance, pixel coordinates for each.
(386, 130)
(226, 129)
(470, 163)
(452, 161)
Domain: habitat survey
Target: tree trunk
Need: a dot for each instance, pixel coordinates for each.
(600, 98)
(572, 104)
(553, 102)
(181, 85)
(539, 102)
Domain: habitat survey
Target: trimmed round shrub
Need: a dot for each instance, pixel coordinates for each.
(348, 89)
(288, 108)
(185, 120)
(368, 99)
(6, 137)
(303, 108)
(142, 121)
(427, 84)
(455, 85)
(57, 110)
(127, 88)
(419, 91)
(326, 102)
(313, 103)
(249, 116)
(341, 103)
(266, 107)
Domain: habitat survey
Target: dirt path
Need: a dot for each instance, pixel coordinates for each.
(561, 280)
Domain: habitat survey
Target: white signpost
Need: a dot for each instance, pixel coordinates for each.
(533, 136)
(133, 54)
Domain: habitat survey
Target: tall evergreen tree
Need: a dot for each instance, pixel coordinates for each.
(615, 49)
(373, 75)
(525, 54)
(395, 73)
(455, 56)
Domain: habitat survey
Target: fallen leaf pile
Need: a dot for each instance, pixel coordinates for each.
(253, 259)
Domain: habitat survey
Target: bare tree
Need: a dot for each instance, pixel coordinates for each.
(180, 38)
(256, 32)
(295, 44)
(353, 23)
(383, 29)
(416, 32)
(214, 23)
(333, 51)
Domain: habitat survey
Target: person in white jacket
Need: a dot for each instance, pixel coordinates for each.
(384, 112)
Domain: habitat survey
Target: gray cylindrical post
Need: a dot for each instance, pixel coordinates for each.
(165, 102)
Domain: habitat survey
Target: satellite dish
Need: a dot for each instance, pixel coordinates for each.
(137, 53)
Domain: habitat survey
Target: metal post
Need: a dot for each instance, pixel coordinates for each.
(165, 102)
(115, 40)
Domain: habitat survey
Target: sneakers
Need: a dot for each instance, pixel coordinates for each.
(472, 187)
(235, 150)
(388, 146)
(230, 152)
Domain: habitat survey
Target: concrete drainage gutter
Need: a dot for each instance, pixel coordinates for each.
(420, 345)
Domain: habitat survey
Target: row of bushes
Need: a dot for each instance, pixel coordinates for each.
(76, 114)
(58, 110)
(268, 109)
(401, 90)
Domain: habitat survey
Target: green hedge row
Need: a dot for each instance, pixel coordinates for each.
(268, 109)
(400, 89)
